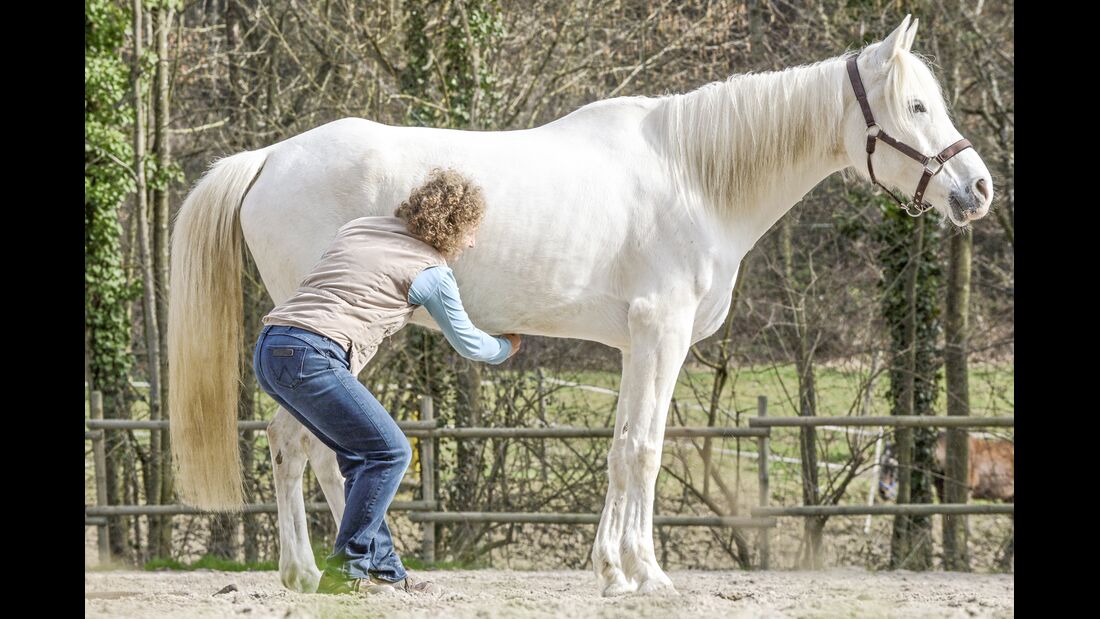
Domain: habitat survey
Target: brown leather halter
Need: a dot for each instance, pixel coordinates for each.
(875, 132)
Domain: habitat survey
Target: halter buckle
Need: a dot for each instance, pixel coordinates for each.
(915, 210)
(873, 132)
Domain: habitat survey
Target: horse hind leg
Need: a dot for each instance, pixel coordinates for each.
(288, 440)
(323, 461)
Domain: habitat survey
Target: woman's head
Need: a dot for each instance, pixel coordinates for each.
(444, 212)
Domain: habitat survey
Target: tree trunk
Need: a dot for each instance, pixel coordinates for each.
(900, 547)
(116, 407)
(958, 400)
(160, 527)
(807, 400)
(469, 457)
(911, 546)
(149, 301)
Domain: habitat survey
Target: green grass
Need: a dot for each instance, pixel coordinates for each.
(210, 562)
(838, 389)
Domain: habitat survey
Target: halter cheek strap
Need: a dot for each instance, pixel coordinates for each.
(875, 133)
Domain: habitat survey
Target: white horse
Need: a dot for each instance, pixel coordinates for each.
(623, 222)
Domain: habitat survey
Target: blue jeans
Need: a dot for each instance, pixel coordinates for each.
(308, 374)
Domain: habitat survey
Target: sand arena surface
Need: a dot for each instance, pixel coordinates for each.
(838, 592)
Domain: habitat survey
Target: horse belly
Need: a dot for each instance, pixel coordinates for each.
(527, 308)
(540, 264)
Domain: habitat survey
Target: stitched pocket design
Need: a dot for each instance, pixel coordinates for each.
(285, 364)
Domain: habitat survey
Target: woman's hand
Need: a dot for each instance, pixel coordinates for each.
(514, 339)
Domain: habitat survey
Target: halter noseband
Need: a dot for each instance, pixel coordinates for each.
(875, 132)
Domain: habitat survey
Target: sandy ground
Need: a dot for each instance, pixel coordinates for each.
(840, 592)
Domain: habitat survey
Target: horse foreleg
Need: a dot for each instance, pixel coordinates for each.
(288, 440)
(605, 551)
(659, 339)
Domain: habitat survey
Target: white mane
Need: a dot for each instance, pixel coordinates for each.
(736, 138)
(731, 137)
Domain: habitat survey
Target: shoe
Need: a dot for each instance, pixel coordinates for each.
(408, 584)
(335, 583)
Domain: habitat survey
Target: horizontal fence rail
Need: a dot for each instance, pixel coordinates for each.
(249, 508)
(162, 424)
(429, 429)
(900, 421)
(573, 518)
(910, 509)
(580, 432)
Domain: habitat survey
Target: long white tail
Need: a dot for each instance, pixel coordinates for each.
(204, 331)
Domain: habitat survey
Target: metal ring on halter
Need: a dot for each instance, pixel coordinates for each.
(916, 210)
(917, 205)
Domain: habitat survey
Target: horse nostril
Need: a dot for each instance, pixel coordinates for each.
(982, 189)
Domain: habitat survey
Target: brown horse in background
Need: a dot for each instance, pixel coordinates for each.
(992, 471)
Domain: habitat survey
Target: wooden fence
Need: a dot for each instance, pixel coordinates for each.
(426, 511)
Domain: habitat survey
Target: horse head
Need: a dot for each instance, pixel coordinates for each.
(900, 133)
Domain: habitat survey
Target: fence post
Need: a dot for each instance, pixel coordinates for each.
(762, 468)
(101, 478)
(427, 477)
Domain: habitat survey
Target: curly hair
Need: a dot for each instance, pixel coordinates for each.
(443, 210)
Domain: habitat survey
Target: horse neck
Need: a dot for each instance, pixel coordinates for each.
(747, 149)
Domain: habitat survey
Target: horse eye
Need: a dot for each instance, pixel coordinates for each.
(918, 107)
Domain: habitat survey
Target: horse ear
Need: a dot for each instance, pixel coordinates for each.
(911, 34)
(895, 43)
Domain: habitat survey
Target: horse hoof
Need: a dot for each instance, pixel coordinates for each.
(619, 586)
(653, 586)
(661, 585)
(302, 581)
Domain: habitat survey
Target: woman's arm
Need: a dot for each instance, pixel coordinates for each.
(437, 290)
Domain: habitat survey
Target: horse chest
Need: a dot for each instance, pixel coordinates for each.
(714, 304)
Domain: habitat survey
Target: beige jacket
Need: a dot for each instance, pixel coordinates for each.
(358, 293)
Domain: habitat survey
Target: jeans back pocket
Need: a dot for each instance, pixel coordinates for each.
(285, 364)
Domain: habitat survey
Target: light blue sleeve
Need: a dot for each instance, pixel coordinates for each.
(437, 290)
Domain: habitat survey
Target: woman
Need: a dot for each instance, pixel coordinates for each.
(377, 271)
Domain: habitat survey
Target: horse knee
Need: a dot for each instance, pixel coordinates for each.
(644, 458)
